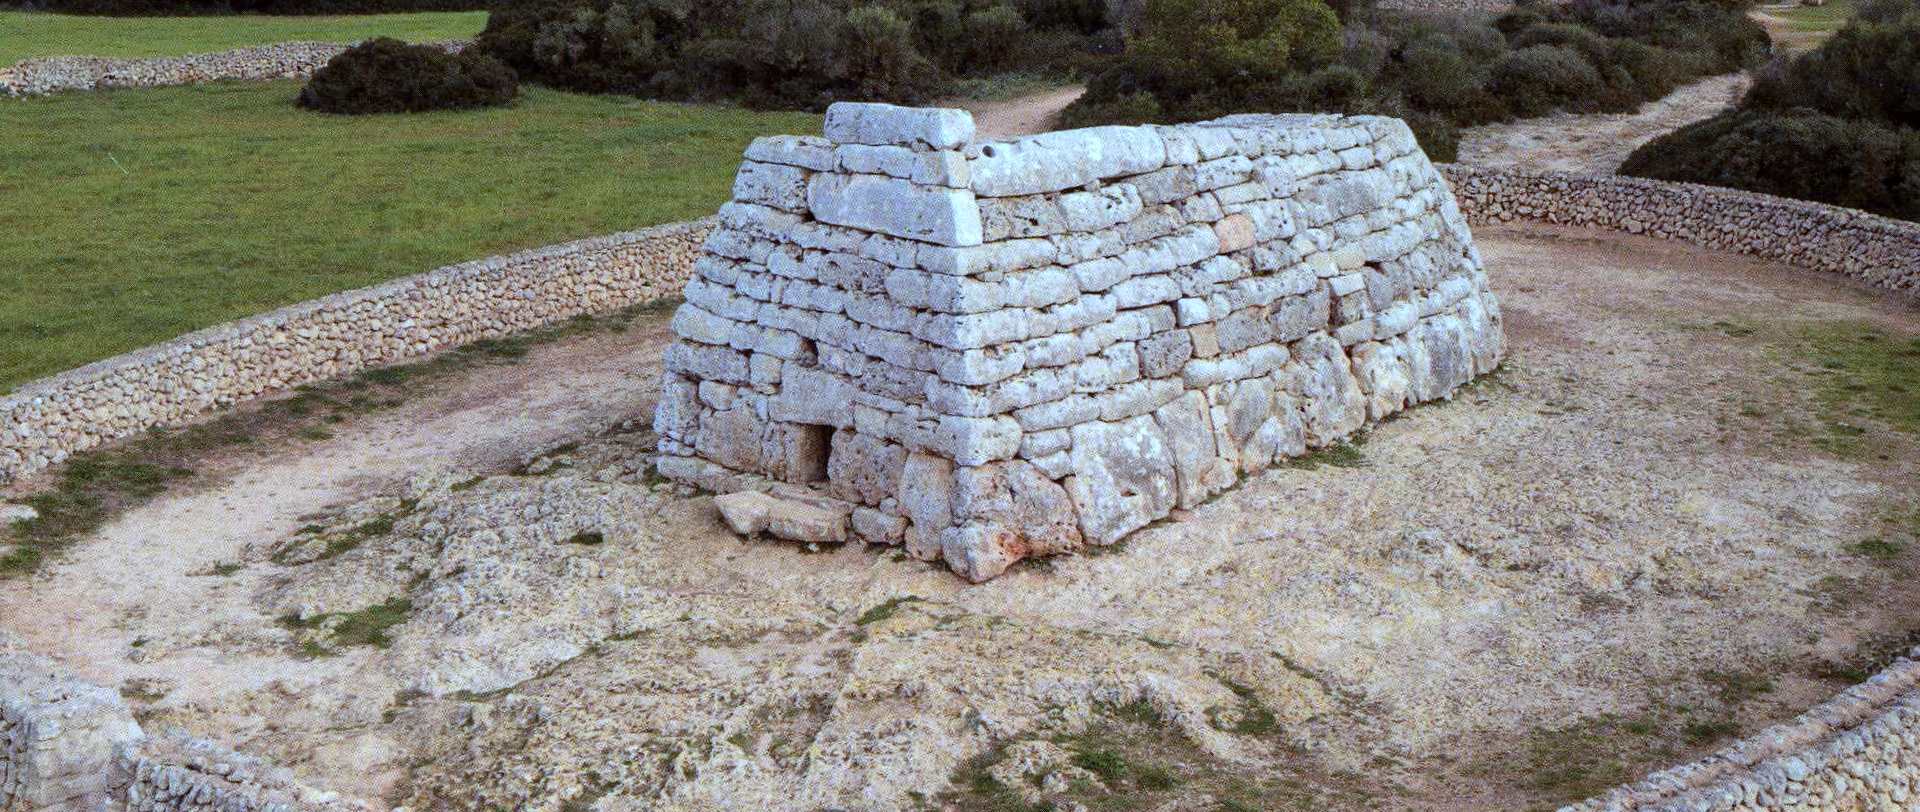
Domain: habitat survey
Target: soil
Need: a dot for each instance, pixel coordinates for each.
(1596, 143)
(1637, 540)
(1025, 115)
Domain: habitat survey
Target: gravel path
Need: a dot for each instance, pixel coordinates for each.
(1596, 143)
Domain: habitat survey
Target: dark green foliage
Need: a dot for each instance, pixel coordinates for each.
(1437, 73)
(175, 7)
(1835, 125)
(784, 53)
(1539, 79)
(1866, 71)
(389, 76)
(1797, 153)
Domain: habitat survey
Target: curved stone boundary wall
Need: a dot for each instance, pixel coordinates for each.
(1857, 751)
(168, 384)
(284, 60)
(1879, 250)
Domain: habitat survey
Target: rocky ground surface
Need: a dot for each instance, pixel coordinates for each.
(1596, 143)
(1648, 533)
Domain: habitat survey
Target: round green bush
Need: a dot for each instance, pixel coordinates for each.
(1537, 80)
(1866, 71)
(1797, 153)
(389, 76)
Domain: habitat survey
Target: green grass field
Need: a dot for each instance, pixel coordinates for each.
(24, 35)
(135, 216)
(1825, 18)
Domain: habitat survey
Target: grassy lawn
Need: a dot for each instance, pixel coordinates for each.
(1826, 18)
(135, 216)
(27, 34)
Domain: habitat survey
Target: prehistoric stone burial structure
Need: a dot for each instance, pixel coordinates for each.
(988, 351)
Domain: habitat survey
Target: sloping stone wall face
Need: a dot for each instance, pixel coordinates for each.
(993, 351)
(169, 384)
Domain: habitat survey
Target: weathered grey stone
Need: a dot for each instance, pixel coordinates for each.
(869, 123)
(752, 513)
(805, 151)
(1188, 426)
(1165, 354)
(1123, 477)
(926, 489)
(864, 468)
(775, 185)
(897, 207)
(1051, 162)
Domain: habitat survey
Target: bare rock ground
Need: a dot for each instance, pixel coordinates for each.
(1623, 549)
(1596, 143)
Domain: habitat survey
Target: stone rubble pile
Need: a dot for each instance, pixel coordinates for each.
(285, 60)
(992, 351)
(67, 744)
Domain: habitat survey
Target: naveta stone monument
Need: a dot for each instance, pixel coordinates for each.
(989, 351)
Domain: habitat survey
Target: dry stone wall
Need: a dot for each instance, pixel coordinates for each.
(992, 351)
(1878, 250)
(67, 745)
(169, 384)
(1858, 752)
(286, 60)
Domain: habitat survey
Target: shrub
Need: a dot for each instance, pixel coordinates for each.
(1866, 71)
(1796, 153)
(1438, 76)
(783, 53)
(1539, 79)
(389, 76)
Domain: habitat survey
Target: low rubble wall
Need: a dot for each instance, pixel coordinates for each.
(169, 384)
(1879, 250)
(285, 60)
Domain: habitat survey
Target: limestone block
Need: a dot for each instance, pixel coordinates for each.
(752, 513)
(1295, 317)
(869, 123)
(775, 185)
(805, 151)
(1234, 233)
(692, 323)
(813, 396)
(1056, 161)
(977, 440)
(1331, 400)
(1165, 354)
(1092, 211)
(926, 488)
(897, 207)
(863, 468)
(1188, 425)
(1017, 217)
(867, 159)
(733, 438)
(1123, 477)
(878, 526)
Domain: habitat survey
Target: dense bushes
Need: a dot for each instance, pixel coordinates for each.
(389, 76)
(1840, 124)
(1438, 73)
(785, 53)
(1797, 153)
(170, 7)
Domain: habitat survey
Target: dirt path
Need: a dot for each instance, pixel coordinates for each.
(1634, 542)
(1025, 115)
(1786, 35)
(1596, 143)
(121, 602)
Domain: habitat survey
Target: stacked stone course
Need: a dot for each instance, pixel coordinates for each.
(285, 60)
(992, 351)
